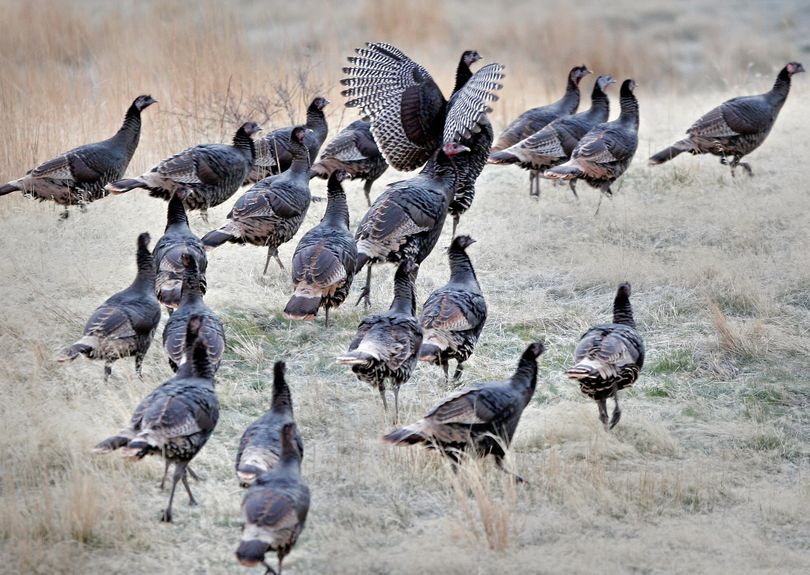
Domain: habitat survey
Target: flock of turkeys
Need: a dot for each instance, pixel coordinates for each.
(408, 124)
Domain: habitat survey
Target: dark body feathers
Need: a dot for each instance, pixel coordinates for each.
(79, 175)
(192, 305)
(324, 259)
(386, 346)
(177, 240)
(736, 127)
(454, 315)
(270, 213)
(355, 151)
(275, 508)
(273, 152)
(260, 445)
(124, 325)
(605, 152)
(176, 419)
(609, 357)
(203, 176)
(480, 419)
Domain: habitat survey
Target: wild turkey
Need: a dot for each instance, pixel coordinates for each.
(355, 151)
(609, 357)
(736, 127)
(406, 220)
(324, 260)
(78, 177)
(260, 446)
(192, 305)
(270, 213)
(605, 152)
(203, 176)
(387, 345)
(176, 419)
(454, 315)
(480, 419)
(123, 325)
(177, 240)
(275, 508)
(411, 119)
(534, 120)
(273, 152)
(554, 144)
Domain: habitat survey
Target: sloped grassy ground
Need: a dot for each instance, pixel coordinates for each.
(707, 471)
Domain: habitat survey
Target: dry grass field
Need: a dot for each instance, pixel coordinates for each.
(709, 469)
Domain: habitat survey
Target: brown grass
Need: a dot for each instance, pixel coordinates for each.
(710, 461)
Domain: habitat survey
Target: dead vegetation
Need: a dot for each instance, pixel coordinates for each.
(710, 461)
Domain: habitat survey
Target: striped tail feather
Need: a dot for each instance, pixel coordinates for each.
(502, 157)
(111, 444)
(675, 149)
(8, 188)
(356, 357)
(216, 238)
(302, 306)
(408, 435)
(251, 552)
(567, 171)
(429, 352)
(125, 185)
(84, 346)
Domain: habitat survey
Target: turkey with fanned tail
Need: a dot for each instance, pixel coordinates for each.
(410, 117)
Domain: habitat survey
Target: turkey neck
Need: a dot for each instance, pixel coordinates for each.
(130, 132)
(289, 463)
(145, 279)
(781, 88)
(442, 169)
(629, 107)
(282, 400)
(404, 296)
(244, 143)
(622, 310)
(461, 268)
(600, 105)
(301, 162)
(190, 292)
(316, 121)
(200, 362)
(463, 74)
(337, 209)
(526, 373)
(570, 100)
(176, 218)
